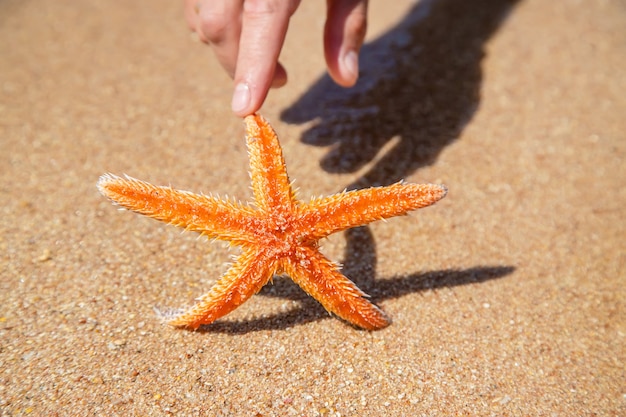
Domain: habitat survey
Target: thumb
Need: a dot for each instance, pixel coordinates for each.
(344, 32)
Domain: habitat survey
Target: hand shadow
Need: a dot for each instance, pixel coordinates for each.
(419, 83)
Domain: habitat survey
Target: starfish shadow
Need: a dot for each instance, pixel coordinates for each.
(360, 266)
(309, 310)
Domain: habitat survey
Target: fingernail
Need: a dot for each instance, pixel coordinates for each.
(351, 63)
(241, 98)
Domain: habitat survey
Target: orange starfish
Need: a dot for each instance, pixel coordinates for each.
(280, 236)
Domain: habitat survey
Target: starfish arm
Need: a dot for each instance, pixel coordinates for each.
(338, 212)
(270, 182)
(252, 270)
(321, 279)
(200, 213)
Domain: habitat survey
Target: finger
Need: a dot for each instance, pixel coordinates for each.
(264, 25)
(344, 32)
(219, 24)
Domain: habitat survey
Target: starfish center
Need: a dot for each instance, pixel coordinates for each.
(283, 234)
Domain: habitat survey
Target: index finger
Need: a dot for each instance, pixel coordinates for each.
(264, 26)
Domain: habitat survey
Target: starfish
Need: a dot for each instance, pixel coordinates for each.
(279, 235)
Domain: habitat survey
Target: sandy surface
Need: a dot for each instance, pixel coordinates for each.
(507, 297)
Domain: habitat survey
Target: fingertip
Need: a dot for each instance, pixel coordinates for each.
(245, 102)
(248, 98)
(344, 33)
(344, 70)
(350, 68)
(241, 100)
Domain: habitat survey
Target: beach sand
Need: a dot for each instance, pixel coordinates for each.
(507, 297)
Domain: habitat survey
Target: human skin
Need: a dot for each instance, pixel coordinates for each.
(247, 36)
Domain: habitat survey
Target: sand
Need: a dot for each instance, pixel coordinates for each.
(507, 297)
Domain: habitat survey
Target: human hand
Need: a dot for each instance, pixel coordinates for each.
(248, 35)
